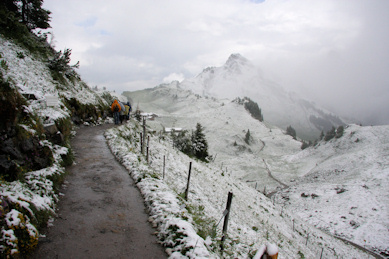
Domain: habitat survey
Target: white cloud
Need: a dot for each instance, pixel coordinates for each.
(321, 48)
(173, 77)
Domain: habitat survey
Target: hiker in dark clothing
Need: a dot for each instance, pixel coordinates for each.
(128, 110)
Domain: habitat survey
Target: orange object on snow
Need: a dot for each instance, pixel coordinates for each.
(116, 105)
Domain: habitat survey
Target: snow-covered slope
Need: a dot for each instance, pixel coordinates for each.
(44, 107)
(192, 228)
(346, 182)
(272, 161)
(225, 125)
(32, 77)
(238, 77)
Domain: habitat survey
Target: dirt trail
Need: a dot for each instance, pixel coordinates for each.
(102, 214)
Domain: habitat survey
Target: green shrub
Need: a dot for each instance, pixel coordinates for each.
(59, 65)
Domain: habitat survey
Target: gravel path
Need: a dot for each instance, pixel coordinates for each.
(102, 214)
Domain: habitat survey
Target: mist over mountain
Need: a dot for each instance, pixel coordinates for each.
(338, 185)
(238, 77)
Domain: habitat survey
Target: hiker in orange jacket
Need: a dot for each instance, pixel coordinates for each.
(115, 108)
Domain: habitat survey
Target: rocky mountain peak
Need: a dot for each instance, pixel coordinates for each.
(236, 63)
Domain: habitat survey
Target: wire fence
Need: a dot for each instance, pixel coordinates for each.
(317, 247)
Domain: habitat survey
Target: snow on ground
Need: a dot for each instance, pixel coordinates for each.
(225, 125)
(359, 188)
(22, 200)
(349, 179)
(237, 167)
(253, 221)
(32, 77)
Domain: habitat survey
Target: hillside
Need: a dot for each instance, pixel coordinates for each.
(343, 186)
(41, 104)
(238, 77)
(226, 124)
(345, 172)
(282, 195)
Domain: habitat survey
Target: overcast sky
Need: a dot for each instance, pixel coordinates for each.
(334, 52)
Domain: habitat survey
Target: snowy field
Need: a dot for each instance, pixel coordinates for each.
(272, 161)
(347, 186)
(192, 227)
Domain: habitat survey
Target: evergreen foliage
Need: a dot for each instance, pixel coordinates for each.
(183, 142)
(339, 131)
(291, 131)
(13, 27)
(28, 12)
(321, 135)
(251, 106)
(304, 145)
(330, 134)
(59, 65)
(194, 145)
(199, 143)
(247, 137)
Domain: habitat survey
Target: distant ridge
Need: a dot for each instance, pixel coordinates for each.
(238, 77)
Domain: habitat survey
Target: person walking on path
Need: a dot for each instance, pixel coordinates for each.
(101, 213)
(116, 108)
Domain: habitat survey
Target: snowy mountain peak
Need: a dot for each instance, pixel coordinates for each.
(238, 77)
(236, 63)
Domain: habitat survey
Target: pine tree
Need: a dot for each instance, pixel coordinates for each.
(247, 137)
(291, 131)
(321, 135)
(339, 131)
(30, 13)
(304, 145)
(253, 108)
(199, 143)
(183, 142)
(330, 134)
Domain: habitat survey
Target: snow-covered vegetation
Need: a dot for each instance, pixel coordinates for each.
(35, 141)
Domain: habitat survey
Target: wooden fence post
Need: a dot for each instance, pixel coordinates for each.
(163, 172)
(225, 224)
(147, 147)
(141, 142)
(187, 185)
(144, 131)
